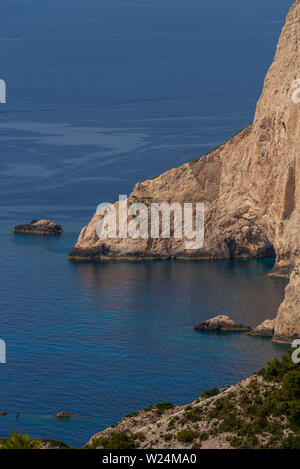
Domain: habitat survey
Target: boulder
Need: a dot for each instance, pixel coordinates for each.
(40, 227)
(265, 329)
(221, 323)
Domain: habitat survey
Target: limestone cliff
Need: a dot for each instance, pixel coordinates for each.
(249, 186)
(287, 324)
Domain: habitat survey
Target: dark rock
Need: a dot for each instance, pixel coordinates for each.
(41, 227)
(221, 323)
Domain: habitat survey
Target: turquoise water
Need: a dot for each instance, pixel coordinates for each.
(102, 94)
(105, 339)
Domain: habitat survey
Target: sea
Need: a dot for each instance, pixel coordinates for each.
(101, 94)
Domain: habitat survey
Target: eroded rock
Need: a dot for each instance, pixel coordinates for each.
(221, 323)
(40, 227)
(265, 329)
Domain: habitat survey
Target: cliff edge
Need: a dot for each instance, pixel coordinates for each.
(249, 186)
(260, 412)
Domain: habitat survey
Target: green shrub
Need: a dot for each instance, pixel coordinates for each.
(161, 407)
(193, 415)
(222, 407)
(291, 442)
(172, 422)
(250, 442)
(230, 423)
(132, 414)
(185, 436)
(236, 442)
(276, 369)
(118, 440)
(210, 393)
(293, 414)
(19, 441)
(148, 408)
(139, 436)
(291, 384)
(187, 408)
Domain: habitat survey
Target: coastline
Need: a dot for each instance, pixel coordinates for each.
(246, 415)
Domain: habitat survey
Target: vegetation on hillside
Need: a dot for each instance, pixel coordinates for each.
(262, 412)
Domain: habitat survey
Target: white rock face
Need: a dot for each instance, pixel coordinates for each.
(249, 186)
(287, 324)
(265, 329)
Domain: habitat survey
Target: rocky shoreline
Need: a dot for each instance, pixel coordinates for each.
(223, 323)
(247, 415)
(249, 188)
(266, 329)
(260, 412)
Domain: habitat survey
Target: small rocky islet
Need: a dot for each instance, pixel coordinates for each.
(221, 323)
(65, 415)
(39, 227)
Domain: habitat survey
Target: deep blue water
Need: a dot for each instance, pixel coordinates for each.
(102, 94)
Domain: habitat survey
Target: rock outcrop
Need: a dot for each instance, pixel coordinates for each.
(40, 227)
(265, 329)
(221, 323)
(287, 324)
(249, 186)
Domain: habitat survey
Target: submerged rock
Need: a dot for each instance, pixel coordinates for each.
(221, 323)
(265, 329)
(41, 227)
(63, 415)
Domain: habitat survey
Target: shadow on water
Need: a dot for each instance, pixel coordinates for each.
(239, 288)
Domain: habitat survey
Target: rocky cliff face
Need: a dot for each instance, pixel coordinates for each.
(249, 186)
(287, 323)
(216, 420)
